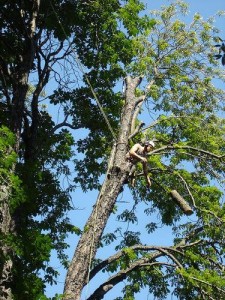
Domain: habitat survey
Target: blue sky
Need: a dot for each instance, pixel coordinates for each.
(85, 202)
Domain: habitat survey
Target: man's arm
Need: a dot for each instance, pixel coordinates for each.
(133, 152)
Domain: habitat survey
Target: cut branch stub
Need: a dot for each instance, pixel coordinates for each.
(181, 202)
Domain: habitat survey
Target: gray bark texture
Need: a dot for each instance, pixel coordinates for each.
(118, 170)
(5, 251)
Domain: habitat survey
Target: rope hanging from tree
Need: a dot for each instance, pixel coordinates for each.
(85, 75)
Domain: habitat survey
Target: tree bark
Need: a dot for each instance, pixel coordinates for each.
(6, 229)
(118, 170)
(18, 81)
(5, 251)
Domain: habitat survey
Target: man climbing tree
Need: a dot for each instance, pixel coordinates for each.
(139, 153)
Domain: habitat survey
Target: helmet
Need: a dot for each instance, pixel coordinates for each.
(150, 143)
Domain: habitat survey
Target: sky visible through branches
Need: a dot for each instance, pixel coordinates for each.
(83, 202)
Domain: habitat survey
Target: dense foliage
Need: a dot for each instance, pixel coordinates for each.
(85, 50)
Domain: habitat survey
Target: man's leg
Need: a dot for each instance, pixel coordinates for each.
(145, 170)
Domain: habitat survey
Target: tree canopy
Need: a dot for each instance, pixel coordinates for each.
(81, 51)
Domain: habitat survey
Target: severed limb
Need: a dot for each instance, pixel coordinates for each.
(181, 202)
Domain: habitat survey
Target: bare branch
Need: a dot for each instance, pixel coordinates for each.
(57, 51)
(64, 124)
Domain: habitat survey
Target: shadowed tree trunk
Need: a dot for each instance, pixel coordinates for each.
(7, 224)
(19, 79)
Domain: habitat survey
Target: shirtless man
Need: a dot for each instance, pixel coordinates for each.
(138, 153)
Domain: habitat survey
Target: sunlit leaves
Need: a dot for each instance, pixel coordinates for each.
(111, 42)
(11, 182)
(7, 155)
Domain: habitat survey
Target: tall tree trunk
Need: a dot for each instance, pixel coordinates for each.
(7, 224)
(6, 229)
(20, 86)
(19, 78)
(5, 251)
(118, 170)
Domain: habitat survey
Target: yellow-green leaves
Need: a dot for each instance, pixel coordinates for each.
(178, 26)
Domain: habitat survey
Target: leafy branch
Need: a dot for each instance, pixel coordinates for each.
(147, 261)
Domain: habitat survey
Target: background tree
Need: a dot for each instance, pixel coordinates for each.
(169, 67)
(28, 47)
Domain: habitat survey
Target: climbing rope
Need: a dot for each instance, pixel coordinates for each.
(85, 75)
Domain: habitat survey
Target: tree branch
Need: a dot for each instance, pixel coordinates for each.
(64, 124)
(136, 130)
(207, 283)
(140, 263)
(159, 120)
(116, 256)
(121, 275)
(188, 148)
(119, 254)
(112, 281)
